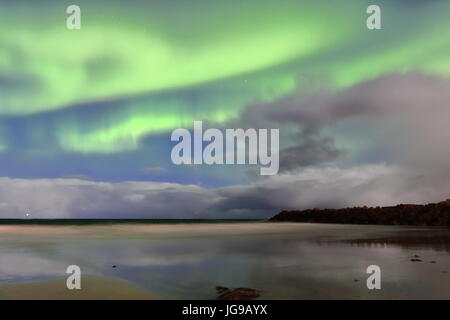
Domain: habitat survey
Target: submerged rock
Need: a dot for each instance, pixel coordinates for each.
(238, 293)
(220, 289)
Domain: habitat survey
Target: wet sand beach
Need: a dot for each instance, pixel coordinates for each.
(92, 288)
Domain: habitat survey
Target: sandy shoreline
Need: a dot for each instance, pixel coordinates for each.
(112, 231)
(92, 288)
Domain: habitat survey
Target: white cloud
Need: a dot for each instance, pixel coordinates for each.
(74, 198)
(312, 187)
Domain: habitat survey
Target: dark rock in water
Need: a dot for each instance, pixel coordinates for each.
(220, 289)
(415, 260)
(240, 294)
(433, 214)
(432, 261)
(114, 266)
(356, 280)
(416, 256)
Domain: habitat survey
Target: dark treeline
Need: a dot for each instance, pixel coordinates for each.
(433, 214)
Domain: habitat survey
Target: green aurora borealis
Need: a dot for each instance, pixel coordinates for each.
(138, 69)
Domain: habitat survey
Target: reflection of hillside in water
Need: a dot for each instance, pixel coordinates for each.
(439, 241)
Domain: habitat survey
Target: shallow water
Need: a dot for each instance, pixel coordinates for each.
(282, 260)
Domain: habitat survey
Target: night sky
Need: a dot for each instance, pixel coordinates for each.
(86, 115)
